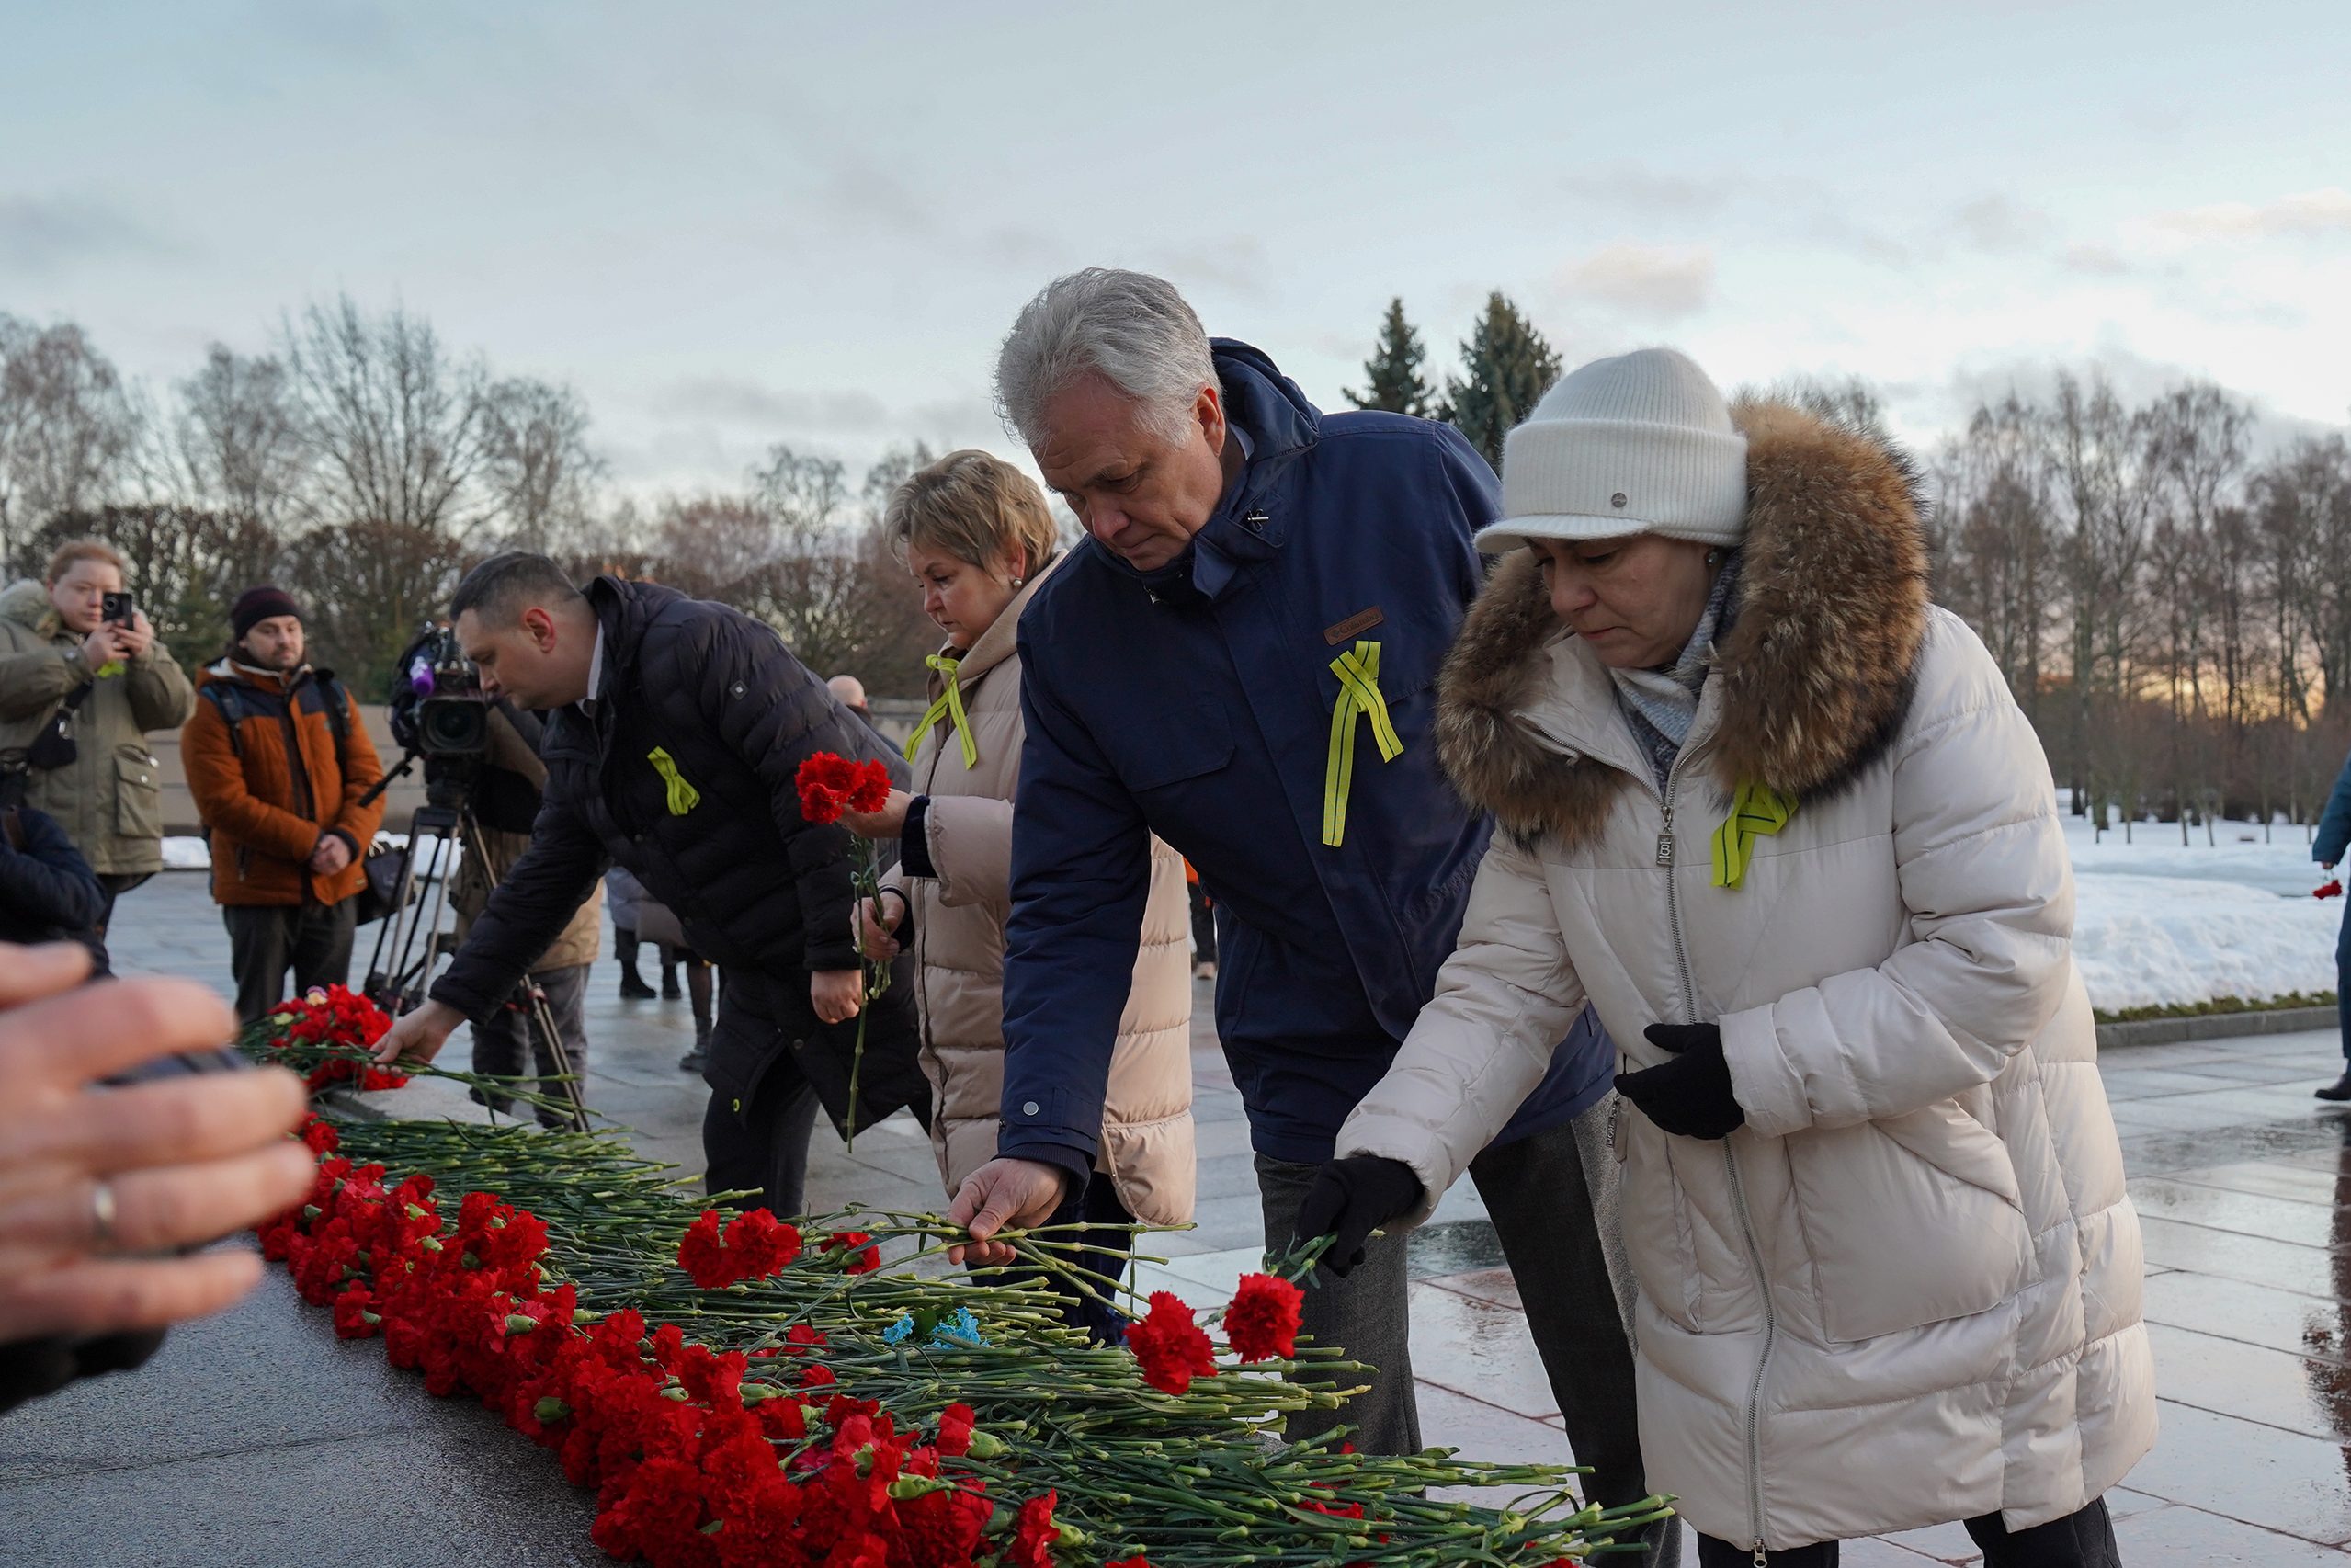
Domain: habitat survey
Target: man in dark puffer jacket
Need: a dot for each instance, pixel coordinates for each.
(676, 728)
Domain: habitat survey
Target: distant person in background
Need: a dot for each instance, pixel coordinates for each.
(2326, 848)
(849, 692)
(278, 761)
(626, 895)
(1203, 924)
(78, 693)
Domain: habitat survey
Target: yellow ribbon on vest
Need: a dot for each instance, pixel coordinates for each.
(683, 797)
(1756, 811)
(948, 708)
(1358, 673)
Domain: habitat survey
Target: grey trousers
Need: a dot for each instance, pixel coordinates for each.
(509, 1045)
(1543, 1212)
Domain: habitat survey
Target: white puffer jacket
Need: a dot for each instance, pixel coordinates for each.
(1907, 1290)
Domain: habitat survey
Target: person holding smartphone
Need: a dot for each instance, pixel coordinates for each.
(79, 691)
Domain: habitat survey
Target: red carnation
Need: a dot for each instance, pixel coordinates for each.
(762, 1244)
(1034, 1538)
(955, 1429)
(1262, 1322)
(702, 1255)
(1170, 1346)
(320, 1135)
(828, 784)
(864, 1257)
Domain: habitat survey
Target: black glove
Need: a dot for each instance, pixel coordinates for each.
(1690, 1095)
(1351, 1198)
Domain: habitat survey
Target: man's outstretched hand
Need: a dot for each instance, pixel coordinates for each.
(418, 1036)
(1018, 1193)
(1351, 1198)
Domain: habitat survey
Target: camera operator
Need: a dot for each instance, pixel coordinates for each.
(82, 678)
(505, 797)
(278, 761)
(677, 729)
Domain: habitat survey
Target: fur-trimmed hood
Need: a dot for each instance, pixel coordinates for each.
(1814, 676)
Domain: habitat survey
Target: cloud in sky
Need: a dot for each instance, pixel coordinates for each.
(41, 235)
(2002, 225)
(1655, 281)
(2305, 214)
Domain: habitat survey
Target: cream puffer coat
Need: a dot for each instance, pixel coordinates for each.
(960, 917)
(1907, 1290)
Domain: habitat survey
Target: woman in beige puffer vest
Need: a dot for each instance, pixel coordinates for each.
(1871, 1190)
(971, 527)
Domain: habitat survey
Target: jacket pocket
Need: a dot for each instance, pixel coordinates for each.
(1909, 1220)
(1659, 1238)
(138, 793)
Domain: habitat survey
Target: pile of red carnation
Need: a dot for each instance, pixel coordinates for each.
(693, 1466)
(1260, 1323)
(336, 1017)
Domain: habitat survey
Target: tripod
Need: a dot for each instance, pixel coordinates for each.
(410, 939)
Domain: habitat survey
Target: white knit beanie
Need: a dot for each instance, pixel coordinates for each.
(1640, 444)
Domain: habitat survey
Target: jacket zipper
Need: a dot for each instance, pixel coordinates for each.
(1665, 857)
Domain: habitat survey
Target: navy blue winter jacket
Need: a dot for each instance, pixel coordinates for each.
(1196, 702)
(2334, 825)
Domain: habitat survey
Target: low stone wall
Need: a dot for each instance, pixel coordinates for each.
(2214, 1026)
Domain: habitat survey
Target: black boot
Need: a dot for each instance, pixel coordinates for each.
(633, 985)
(669, 991)
(2338, 1090)
(693, 1060)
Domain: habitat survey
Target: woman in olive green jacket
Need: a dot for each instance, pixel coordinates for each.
(57, 651)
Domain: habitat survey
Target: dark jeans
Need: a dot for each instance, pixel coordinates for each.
(266, 939)
(1107, 1254)
(511, 1045)
(1535, 1190)
(759, 1145)
(2078, 1540)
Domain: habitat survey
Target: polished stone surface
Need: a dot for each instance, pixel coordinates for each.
(260, 1440)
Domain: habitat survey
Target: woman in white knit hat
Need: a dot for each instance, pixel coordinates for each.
(1776, 817)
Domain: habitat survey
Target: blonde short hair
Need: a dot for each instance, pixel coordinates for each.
(74, 551)
(974, 507)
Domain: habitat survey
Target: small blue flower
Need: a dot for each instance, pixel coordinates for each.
(900, 1332)
(960, 1328)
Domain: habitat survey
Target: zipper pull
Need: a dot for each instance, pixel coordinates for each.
(1666, 840)
(1762, 1559)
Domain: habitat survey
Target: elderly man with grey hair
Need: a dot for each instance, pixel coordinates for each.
(1240, 658)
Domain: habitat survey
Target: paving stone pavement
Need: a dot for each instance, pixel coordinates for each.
(2243, 1184)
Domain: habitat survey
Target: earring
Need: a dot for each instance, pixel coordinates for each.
(1017, 581)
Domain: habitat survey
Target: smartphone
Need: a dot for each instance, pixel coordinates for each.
(119, 608)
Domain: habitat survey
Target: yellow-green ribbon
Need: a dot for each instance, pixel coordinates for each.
(1756, 811)
(111, 667)
(1358, 673)
(683, 797)
(949, 708)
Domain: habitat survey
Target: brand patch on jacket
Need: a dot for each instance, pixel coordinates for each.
(1353, 626)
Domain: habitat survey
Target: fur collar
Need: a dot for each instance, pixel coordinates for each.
(1814, 676)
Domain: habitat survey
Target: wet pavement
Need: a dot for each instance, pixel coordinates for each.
(2243, 1184)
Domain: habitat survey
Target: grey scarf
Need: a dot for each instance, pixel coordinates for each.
(1660, 704)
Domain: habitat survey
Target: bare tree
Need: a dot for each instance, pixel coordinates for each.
(68, 429)
(236, 441)
(394, 427)
(537, 466)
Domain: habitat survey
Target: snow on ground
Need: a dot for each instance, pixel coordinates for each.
(2156, 921)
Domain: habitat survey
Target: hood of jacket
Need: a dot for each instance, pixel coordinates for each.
(1816, 672)
(28, 603)
(227, 669)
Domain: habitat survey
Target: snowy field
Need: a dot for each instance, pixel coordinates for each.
(2156, 921)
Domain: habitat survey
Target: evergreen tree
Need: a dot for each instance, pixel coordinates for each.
(1394, 369)
(1507, 367)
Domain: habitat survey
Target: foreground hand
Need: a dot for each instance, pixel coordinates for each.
(418, 1036)
(1351, 1198)
(878, 921)
(836, 993)
(887, 823)
(183, 1161)
(331, 856)
(1690, 1095)
(1018, 1193)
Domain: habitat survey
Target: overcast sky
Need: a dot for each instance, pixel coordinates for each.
(729, 225)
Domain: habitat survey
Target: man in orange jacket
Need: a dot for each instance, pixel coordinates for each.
(278, 760)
